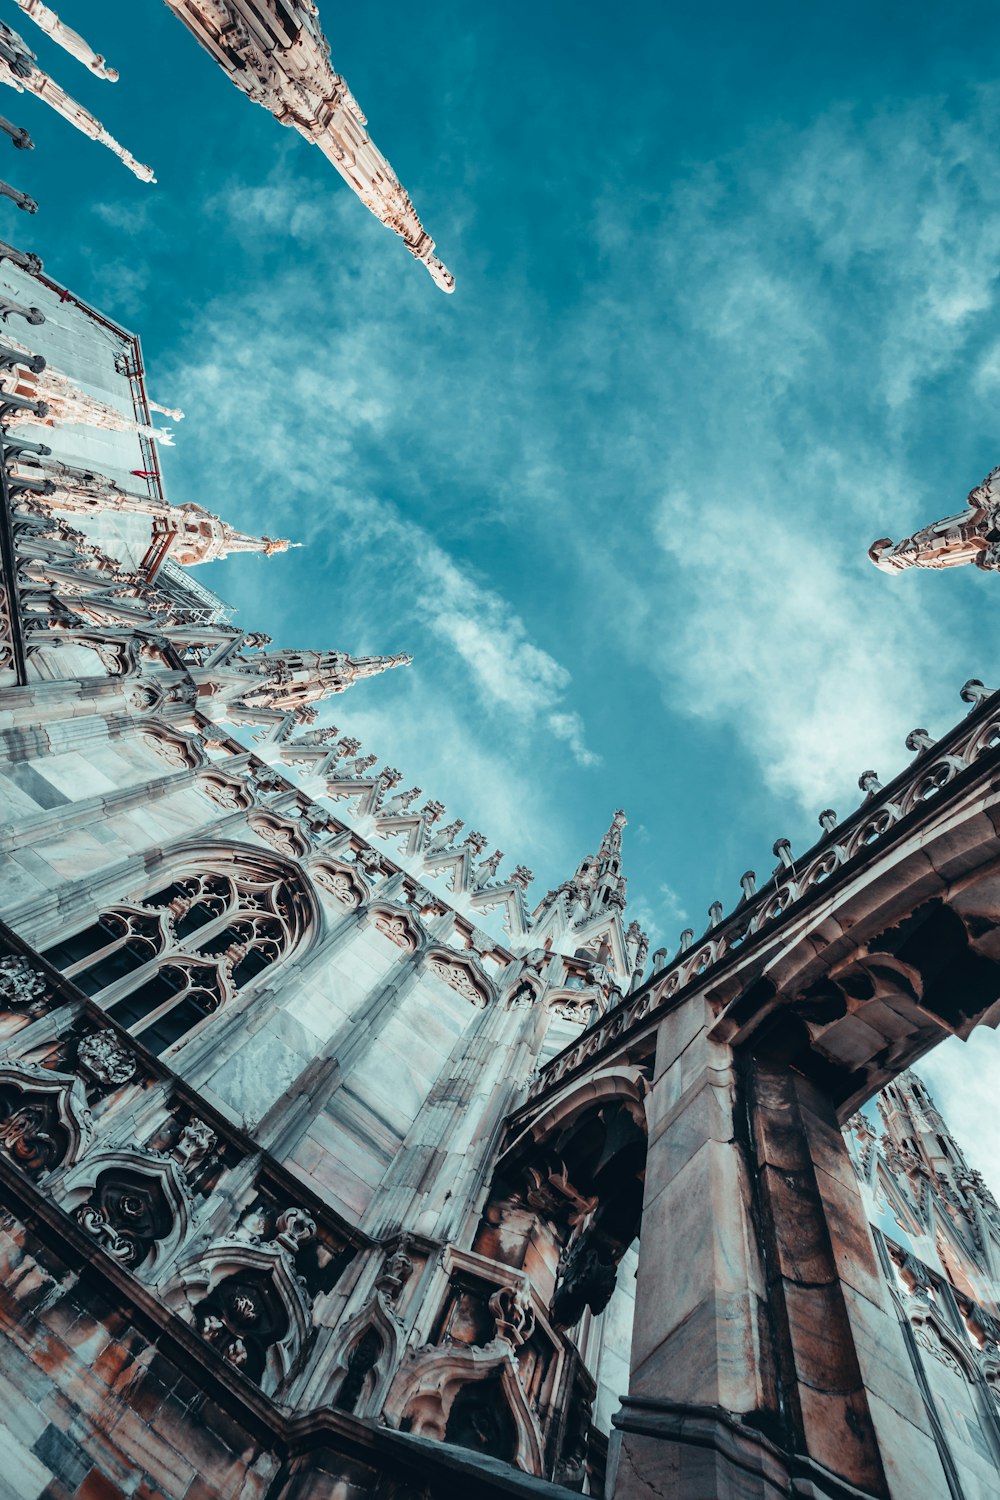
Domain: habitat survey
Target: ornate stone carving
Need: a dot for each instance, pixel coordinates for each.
(588, 1278)
(106, 1058)
(226, 791)
(44, 1119)
(126, 1214)
(22, 987)
(457, 977)
(27, 1136)
(513, 1314)
(173, 752)
(396, 928)
(193, 1144)
(337, 883)
(293, 1229)
(280, 836)
(396, 1271)
(242, 1318)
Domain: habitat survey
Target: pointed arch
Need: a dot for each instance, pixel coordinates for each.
(206, 922)
(375, 1317)
(462, 973)
(626, 1084)
(248, 1303)
(423, 1396)
(136, 1204)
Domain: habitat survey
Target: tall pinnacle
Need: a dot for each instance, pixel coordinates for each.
(19, 70)
(46, 20)
(292, 681)
(276, 53)
(201, 537)
(371, 666)
(598, 885)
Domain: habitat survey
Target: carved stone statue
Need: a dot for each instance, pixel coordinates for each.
(19, 70)
(973, 536)
(46, 20)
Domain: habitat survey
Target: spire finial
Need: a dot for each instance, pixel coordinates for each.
(70, 41)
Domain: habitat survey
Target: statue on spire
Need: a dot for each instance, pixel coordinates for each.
(973, 536)
(277, 54)
(46, 20)
(611, 843)
(202, 537)
(19, 70)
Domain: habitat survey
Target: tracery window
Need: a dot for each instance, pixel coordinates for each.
(162, 962)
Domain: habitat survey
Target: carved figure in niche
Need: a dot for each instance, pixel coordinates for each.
(193, 1144)
(242, 1317)
(396, 1272)
(513, 1314)
(30, 1132)
(106, 1058)
(127, 1212)
(21, 986)
(363, 1358)
(293, 1229)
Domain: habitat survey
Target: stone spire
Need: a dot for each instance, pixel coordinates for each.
(66, 403)
(292, 681)
(277, 54)
(46, 20)
(190, 534)
(19, 70)
(204, 538)
(918, 1144)
(598, 886)
(973, 536)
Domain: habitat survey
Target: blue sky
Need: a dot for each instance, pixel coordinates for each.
(726, 311)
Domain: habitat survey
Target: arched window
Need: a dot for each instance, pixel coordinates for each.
(160, 963)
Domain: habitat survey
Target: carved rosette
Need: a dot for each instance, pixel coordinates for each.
(106, 1059)
(22, 987)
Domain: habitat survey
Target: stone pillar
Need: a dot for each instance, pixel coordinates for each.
(766, 1361)
(441, 1170)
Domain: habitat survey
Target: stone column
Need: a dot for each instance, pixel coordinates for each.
(32, 831)
(766, 1361)
(441, 1169)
